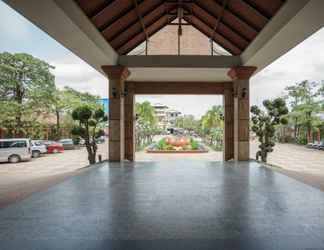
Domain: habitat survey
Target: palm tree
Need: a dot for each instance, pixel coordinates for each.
(145, 125)
(212, 122)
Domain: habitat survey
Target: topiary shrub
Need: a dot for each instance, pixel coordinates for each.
(264, 122)
(88, 121)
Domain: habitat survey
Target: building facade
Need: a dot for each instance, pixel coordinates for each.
(166, 117)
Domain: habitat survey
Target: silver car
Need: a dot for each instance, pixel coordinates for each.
(38, 148)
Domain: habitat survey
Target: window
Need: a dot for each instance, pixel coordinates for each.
(13, 144)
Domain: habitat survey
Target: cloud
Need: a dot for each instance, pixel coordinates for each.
(304, 62)
(75, 73)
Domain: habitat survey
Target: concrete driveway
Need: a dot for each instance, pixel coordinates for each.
(297, 161)
(17, 181)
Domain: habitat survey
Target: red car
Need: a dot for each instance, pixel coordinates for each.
(54, 148)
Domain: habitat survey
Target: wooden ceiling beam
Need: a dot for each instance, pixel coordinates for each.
(92, 8)
(229, 18)
(140, 19)
(111, 13)
(180, 88)
(218, 38)
(265, 7)
(136, 28)
(223, 29)
(129, 19)
(139, 38)
(246, 12)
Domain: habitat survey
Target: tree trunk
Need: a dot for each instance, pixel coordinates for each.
(264, 157)
(58, 125)
(295, 130)
(309, 136)
(19, 95)
(91, 154)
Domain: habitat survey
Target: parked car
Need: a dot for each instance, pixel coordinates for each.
(37, 148)
(15, 150)
(82, 142)
(67, 144)
(311, 145)
(320, 146)
(100, 140)
(54, 147)
(44, 142)
(316, 145)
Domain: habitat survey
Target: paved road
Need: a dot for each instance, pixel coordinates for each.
(297, 161)
(295, 157)
(20, 180)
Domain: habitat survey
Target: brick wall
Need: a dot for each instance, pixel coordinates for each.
(165, 42)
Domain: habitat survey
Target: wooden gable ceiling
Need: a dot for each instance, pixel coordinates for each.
(233, 24)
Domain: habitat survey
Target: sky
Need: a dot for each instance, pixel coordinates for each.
(304, 62)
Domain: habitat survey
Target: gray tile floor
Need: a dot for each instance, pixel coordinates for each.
(180, 204)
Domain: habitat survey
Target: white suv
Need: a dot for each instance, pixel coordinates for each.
(15, 150)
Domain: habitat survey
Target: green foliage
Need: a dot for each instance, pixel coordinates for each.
(187, 122)
(161, 145)
(88, 121)
(145, 124)
(306, 102)
(194, 144)
(211, 127)
(264, 122)
(29, 97)
(26, 86)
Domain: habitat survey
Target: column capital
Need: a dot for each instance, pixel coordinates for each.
(241, 72)
(116, 72)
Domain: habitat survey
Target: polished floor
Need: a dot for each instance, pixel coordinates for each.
(180, 204)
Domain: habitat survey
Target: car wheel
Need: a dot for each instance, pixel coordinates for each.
(35, 154)
(14, 159)
(55, 151)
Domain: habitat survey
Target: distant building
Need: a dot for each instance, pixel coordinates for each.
(172, 116)
(105, 104)
(166, 117)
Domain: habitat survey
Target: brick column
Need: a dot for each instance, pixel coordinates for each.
(129, 122)
(117, 76)
(228, 103)
(241, 85)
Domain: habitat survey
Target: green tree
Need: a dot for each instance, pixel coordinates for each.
(264, 122)
(187, 122)
(26, 85)
(145, 124)
(66, 100)
(212, 125)
(305, 102)
(89, 121)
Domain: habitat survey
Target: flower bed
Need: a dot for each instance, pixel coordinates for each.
(176, 145)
